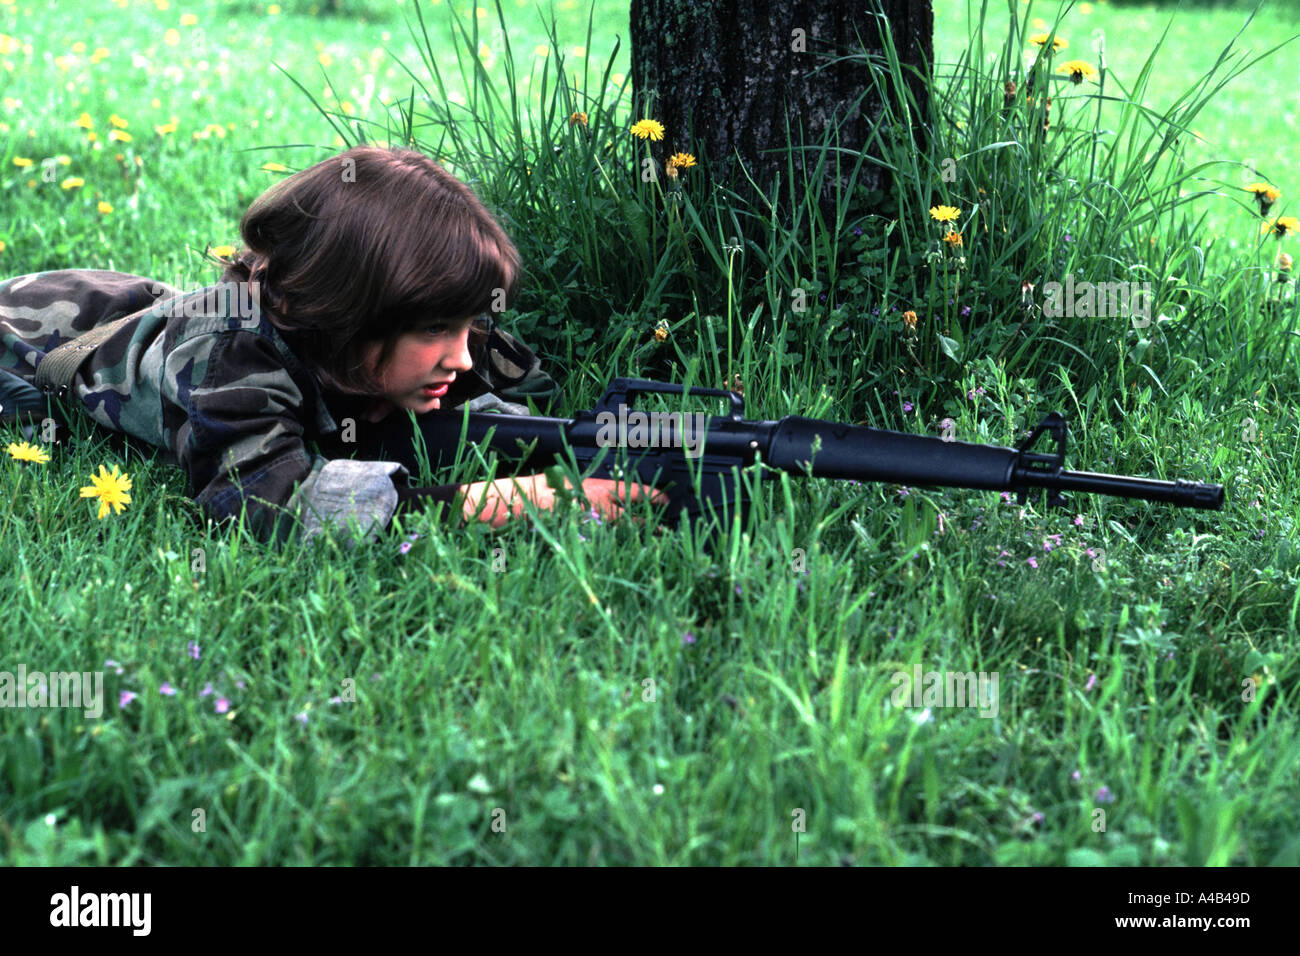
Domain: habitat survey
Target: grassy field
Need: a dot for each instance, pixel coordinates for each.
(582, 694)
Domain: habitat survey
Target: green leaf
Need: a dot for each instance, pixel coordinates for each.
(950, 348)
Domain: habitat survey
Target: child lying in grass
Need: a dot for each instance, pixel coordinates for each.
(357, 295)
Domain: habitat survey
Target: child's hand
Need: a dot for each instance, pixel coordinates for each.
(607, 496)
(498, 501)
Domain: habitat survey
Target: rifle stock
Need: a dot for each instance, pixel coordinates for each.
(800, 446)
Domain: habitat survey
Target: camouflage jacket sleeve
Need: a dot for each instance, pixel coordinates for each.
(242, 443)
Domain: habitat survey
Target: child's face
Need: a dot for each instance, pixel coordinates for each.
(423, 359)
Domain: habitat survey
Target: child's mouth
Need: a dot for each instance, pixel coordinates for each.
(429, 392)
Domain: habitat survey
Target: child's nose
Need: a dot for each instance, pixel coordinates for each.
(462, 360)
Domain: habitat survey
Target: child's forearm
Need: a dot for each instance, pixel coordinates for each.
(496, 502)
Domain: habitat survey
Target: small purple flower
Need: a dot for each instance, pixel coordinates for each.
(301, 718)
(1105, 796)
(1170, 657)
(799, 586)
(413, 535)
(166, 689)
(125, 698)
(1078, 520)
(965, 311)
(1033, 563)
(336, 700)
(193, 650)
(221, 706)
(1006, 496)
(1076, 776)
(117, 668)
(1092, 682)
(240, 684)
(907, 406)
(904, 491)
(739, 591)
(207, 690)
(1037, 818)
(688, 638)
(857, 230)
(1069, 238)
(404, 547)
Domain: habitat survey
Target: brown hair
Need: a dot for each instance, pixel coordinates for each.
(366, 246)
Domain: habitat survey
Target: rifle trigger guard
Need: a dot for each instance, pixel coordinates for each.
(1047, 464)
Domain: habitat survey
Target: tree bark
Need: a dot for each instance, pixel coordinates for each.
(723, 77)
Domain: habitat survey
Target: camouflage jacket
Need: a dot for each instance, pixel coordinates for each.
(204, 376)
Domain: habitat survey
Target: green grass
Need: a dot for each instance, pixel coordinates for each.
(532, 696)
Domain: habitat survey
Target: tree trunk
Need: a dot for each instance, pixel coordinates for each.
(723, 76)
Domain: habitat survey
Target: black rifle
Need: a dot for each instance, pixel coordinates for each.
(842, 451)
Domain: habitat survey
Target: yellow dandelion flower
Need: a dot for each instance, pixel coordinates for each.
(92, 137)
(1282, 226)
(188, 19)
(944, 213)
(223, 252)
(1265, 194)
(73, 182)
(120, 135)
(2, 245)
(165, 128)
(110, 488)
(118, 121)
(9, 44)
(661, 332)
(648, 129)
(273, 10)
(577, 118)
(681, 160)
(953, 239)
(22, 162)
(1079, 70)
(101, 53)
(909, 319)
(85, 121)
(79, 47)
(172, 37)
(104, 207)
(23, 451)
(1040, 39)
(275, 168)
